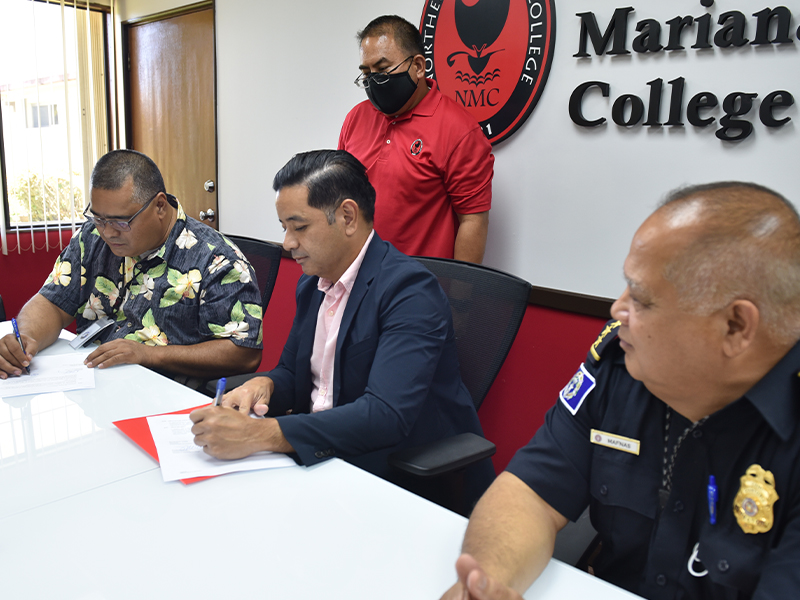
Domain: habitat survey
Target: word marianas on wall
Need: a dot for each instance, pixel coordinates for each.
(767, 26)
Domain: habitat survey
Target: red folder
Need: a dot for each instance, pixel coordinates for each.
(139, 431)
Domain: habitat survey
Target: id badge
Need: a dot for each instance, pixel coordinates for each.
(91, 333)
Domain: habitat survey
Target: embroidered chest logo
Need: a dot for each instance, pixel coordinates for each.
(752, 506)
(416, 147)
(490, 56)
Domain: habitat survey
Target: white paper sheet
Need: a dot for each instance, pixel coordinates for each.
(57, 373)
(6, 328)
(180, 458)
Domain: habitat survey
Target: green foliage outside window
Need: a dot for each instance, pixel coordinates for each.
(25, 199)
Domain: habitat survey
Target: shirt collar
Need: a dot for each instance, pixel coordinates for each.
(348, 278)
(177, 229)
(776, 395)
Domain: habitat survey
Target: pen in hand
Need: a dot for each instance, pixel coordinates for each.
(220, 390)
(19, 339)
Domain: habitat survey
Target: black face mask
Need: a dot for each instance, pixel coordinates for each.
(391, 96)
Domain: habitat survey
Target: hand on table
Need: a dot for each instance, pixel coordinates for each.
(474, 584)
(118, 352)
(12, 359)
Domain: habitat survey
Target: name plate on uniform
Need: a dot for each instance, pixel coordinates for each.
(617, 442)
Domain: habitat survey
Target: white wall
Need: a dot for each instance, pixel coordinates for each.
(284, 85)
(566, 199)
(133, 9)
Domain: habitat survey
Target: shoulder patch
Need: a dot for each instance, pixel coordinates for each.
(608, 334)
(577, 389)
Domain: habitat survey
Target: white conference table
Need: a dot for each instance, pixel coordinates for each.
(90, 517)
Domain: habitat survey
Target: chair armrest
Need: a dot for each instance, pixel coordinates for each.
(231, 382)
(443, 456)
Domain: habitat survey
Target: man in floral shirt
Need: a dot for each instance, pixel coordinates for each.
(176, 295)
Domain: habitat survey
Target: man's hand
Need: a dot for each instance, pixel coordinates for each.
(12, 359)
(474, 584)
(252, 395)
(118, 352)
(228, 434)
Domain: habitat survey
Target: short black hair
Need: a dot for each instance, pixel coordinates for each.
(406, 36)
(113, 170)
(331, 177)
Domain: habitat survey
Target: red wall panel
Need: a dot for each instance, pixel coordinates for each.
(22, 274)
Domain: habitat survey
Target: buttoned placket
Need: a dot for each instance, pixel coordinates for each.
(333, 297)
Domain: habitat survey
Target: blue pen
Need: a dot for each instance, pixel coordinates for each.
(712, 500)
(19, 339)
(220, 390)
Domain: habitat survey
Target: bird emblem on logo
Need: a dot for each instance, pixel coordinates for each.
(479, 24)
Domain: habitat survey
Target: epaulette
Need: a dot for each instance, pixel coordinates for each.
(606, 336)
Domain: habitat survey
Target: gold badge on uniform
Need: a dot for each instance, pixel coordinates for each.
(752, 506)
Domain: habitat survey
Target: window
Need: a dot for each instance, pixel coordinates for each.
(53, 109)
(43, 115)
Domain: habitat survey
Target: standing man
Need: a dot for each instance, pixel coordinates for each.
(427, 158)
(163, 290)
(370, 366)
(681, 431)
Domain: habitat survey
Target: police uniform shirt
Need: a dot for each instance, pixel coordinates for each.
(749, 446)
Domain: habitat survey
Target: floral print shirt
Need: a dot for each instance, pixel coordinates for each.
(197, 287)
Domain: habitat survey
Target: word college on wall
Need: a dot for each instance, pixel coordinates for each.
(668, 103)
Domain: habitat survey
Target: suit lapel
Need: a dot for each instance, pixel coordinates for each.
(306, 347)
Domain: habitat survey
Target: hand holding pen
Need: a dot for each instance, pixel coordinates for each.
(220, 391)
(19, 340)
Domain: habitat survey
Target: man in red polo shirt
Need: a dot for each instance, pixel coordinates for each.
(426, 156)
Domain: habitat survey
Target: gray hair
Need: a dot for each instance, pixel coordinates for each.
(113, 170)
(747, 247)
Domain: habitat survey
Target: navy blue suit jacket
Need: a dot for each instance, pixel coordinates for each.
(396, 375)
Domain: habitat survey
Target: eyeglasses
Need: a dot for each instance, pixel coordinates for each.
(365, 79)
(115, 223)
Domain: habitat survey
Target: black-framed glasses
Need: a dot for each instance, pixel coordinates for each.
(117, 224)
(365, 79)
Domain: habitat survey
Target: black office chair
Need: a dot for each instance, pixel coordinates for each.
(488, 306)
(2, 310)
(577, 543)
(265, 257)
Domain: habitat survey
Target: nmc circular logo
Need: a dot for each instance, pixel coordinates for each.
(490, 56)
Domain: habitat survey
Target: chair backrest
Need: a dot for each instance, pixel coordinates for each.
(265, 257)
(488, 306)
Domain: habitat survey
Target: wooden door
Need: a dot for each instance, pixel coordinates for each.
(171, 84)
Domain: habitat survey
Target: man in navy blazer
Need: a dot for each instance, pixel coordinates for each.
(370, 365)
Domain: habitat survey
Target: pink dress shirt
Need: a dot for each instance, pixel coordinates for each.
(329, 318)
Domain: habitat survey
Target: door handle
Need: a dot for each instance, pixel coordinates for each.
(208, 215)
(209, 186)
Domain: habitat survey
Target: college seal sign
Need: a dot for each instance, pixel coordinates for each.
(752, 506)
(490, 56)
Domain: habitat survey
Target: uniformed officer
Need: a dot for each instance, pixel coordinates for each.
(679, 431)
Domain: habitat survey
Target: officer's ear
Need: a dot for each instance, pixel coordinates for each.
(742, 320)
(350, 215)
